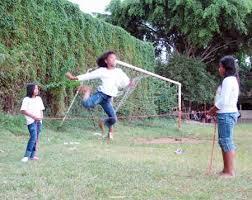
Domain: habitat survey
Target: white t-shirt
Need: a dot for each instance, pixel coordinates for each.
(33, 106)
(217, 94)
(227, 95)
(112, 79)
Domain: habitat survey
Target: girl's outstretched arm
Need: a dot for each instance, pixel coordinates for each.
(70, 76)
(96, 74)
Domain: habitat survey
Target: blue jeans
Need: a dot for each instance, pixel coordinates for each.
(34, 130)
(105, 102)
(226, 123)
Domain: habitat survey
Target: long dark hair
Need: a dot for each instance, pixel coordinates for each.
(101, 60)
(30, 89)
(229, 64)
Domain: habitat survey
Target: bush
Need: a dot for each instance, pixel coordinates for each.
(40, 40)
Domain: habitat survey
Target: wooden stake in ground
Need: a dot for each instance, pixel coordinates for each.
(212, 151)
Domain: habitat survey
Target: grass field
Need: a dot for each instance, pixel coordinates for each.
(75, 164)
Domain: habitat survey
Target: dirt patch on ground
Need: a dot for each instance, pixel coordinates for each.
(168, 140)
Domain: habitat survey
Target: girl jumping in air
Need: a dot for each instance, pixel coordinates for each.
(112, 79)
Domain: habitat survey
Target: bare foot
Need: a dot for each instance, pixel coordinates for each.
(110, 135)
(101, 126)
(85, 91)
(221, 172)
(226, 175)
(108, 140)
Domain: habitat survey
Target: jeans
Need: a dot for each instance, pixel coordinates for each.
(105, 102)
(34, 130)
(226, 123)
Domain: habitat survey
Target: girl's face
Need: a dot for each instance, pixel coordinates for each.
(221, 70)
(35, 91)
(111, 61)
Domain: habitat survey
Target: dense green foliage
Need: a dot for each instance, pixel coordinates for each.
(198, 84)
(42, 39)
(205, 29)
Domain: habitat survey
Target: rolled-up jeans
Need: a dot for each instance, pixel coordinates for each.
(226, 123)
(105, 102)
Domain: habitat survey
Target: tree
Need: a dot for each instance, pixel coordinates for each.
(198, 84)
(203, 29)
(196, 34)
(40, 40)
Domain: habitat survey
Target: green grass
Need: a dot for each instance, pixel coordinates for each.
(123, 169)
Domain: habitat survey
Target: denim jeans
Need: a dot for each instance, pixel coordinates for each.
(105, 102)
(226, 123)
(34, 130)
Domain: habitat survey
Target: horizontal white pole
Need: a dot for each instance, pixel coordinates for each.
(160, 77)
(147, 72)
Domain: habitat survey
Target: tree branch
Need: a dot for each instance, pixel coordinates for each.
(215, 49)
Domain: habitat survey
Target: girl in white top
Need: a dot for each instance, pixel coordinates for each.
(112, 79)
(225, 108)
(32, 108)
